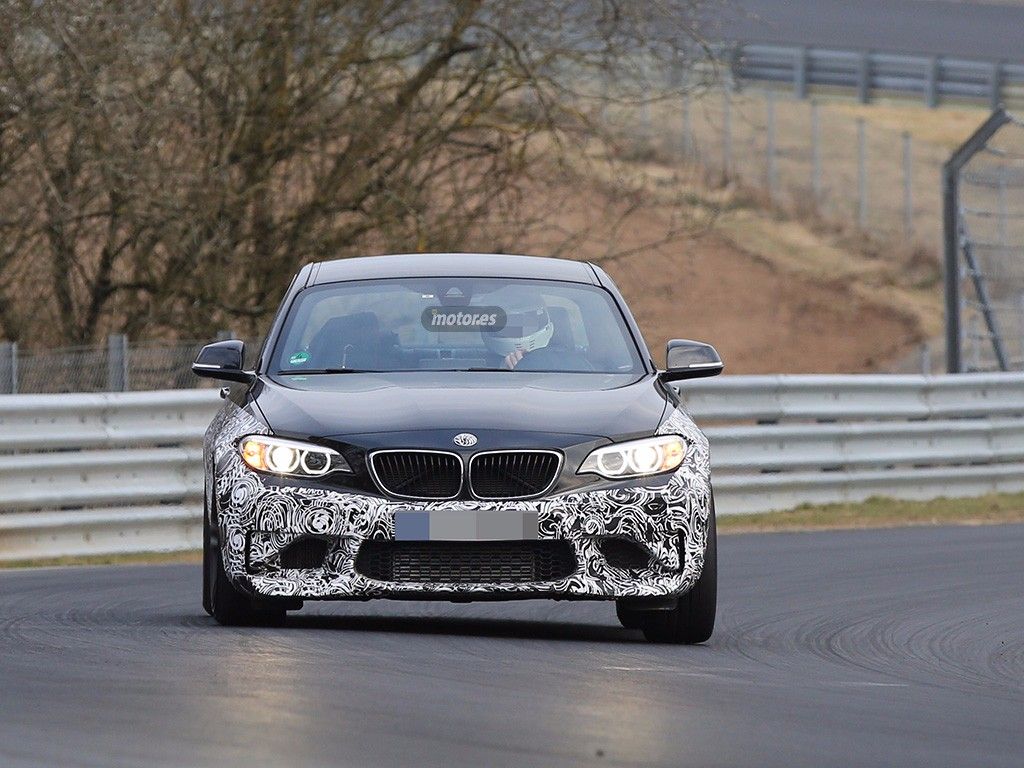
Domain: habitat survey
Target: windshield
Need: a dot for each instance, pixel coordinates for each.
(455, 324)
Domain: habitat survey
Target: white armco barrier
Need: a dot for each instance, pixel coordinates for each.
(122, 472)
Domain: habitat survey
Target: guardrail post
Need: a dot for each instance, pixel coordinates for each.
(931, 83)
(996, 85)
(864, 78)
(117, 362)
(9, 368)
(800, 74)
(862, 176)
(908, 187)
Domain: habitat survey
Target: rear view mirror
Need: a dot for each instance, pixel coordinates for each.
(690, 360)
(222, 360)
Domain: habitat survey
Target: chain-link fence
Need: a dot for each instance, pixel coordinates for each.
(117, 366)
(812, 157)
(984, 208)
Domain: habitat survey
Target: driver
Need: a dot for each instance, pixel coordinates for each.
(528, 329)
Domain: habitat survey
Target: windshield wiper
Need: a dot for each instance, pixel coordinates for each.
(319, 371)
(483, 368)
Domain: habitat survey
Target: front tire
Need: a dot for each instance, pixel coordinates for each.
(227, 604)
(628, 617)
(693, 619)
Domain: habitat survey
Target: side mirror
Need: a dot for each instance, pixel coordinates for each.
(690, 360)
(222, 360)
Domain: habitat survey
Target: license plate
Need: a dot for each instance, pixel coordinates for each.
(464, 525)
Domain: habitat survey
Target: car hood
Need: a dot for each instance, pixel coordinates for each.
(343, 406)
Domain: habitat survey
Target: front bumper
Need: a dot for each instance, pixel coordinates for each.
(258, 518)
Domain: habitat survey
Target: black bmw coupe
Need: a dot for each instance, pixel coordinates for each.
(458, 427)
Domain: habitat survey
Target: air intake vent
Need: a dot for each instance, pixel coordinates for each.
(512, 474)
(307, 552)
(623, 553)
(466, 562)
(417, 474)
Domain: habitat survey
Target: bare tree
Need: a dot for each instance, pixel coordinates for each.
(165, 166)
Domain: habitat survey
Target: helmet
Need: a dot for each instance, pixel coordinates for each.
(527, 327)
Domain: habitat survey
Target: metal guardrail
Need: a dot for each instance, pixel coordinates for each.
(932, 78)
(121, 472)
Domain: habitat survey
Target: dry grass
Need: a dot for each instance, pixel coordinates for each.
(141, 558)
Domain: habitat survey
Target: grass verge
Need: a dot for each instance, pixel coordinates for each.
(882, 513)
(140, 558)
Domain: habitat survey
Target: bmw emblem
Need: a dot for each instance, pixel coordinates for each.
(464, 439)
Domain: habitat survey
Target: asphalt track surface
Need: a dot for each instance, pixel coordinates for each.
(902, 647)
(971, 30)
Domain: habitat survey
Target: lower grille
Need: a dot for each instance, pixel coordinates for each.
(418, 474)
(512, 474)
(466, 562)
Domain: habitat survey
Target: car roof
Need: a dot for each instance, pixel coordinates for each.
(451, 265)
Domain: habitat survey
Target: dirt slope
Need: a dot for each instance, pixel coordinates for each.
(771, 296)
(760, 319)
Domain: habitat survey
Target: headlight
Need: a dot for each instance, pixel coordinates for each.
(290, 457)
(636, 458)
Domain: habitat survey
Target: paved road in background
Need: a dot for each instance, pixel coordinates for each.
(870, 648)
(941, 27)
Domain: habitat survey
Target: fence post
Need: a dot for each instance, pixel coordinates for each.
(951, 268)
(816, 152)
(1001, 207)
(864, 78)
(931, 83)
(862, 176)
(117, 362)
(972, 336)
(908, 191)
(800, 74)
(1020, 324)
(646, 124)
(951, 233)
(770, 143)
(726, 134)
(996, 85)
(9, 368)
(687, 127)
(605, 95)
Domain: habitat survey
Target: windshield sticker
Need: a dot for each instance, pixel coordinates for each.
(464, 319)
(299, 358)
